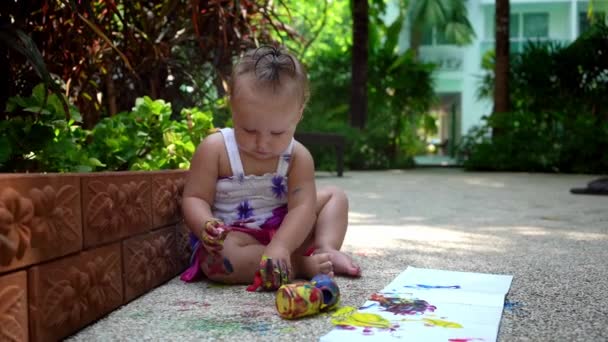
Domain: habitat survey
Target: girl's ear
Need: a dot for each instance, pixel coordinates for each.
(301, 113)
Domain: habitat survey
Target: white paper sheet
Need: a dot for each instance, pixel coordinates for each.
(433, 305)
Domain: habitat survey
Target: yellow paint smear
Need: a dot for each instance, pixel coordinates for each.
(348, 315)
(441, 323)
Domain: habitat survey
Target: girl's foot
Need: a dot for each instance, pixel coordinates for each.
(342, 263)
(309, 266)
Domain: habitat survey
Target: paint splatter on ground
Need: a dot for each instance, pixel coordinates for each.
(403, 306)
(512, 306)
(138, 315)
(228, 326)
(186, 305)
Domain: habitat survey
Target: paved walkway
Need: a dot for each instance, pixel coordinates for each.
(528, 225)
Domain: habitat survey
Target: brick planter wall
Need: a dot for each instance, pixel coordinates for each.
(74, 247)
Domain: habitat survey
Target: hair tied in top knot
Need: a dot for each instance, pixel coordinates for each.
(271, 62)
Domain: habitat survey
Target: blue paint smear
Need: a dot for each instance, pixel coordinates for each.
(511, 306)
(368, 306)
(430, 287)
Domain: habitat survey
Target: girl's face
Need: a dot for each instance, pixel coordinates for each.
(264, 121)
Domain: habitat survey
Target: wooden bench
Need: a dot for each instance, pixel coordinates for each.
(317, 138)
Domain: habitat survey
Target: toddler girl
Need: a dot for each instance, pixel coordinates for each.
(250, 199)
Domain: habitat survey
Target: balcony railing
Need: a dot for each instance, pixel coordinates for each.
(517, 45)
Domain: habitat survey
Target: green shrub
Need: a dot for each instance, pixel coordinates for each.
(552, 142)
(39, 137)
(147, 138)
(559, 121)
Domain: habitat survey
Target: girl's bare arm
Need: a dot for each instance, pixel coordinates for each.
(301, 215)
(199, 191)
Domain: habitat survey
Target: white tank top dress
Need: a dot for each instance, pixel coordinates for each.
(252, 204)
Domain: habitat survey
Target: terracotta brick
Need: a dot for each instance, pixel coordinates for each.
(40, 218)
(115, 205)
(183, 246)
(13, 307)
(149, 260)
(67, 294)
(167, 189)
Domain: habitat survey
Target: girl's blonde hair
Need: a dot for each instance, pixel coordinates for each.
(270, 67)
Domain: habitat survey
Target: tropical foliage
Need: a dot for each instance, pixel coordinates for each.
(145, 138)
(559, 117)
(399, 90)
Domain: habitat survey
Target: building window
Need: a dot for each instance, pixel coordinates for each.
(536, 25)
(513, 26)
(433, 36)
(584, 23)
(427, 36)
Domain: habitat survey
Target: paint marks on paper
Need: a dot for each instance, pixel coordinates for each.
(432, 287)
(465, 339)
(348, 316)
(403, 306)
(432, 322)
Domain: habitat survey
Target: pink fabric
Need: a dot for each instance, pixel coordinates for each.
(194, 272)
(263, 236)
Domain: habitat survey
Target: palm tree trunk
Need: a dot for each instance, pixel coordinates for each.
(501, 68)
(415, 39)
(358, 96)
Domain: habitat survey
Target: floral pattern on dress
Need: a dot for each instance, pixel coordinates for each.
(274, 222)
(244, 210)
(278, 186)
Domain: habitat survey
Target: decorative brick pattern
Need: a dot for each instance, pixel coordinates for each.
(13, 307)
(183, 246)
(115, 205)
(40, 219)
(149, 260)
(74, 247)
(167, 192)
(70, 293)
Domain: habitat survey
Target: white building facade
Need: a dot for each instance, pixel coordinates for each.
(459, 68)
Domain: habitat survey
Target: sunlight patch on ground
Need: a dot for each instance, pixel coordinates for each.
(355, 217)
(531, 231)
(370, 195)
(585, 236)
(484, 182)
(428, 239)
(543, 231)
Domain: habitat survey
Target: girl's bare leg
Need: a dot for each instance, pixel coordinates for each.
(330, 229)
(240, 259)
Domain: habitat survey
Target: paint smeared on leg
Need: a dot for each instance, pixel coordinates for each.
(213, 264)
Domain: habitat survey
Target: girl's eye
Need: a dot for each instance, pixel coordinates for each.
(276, 134)
(250, 131)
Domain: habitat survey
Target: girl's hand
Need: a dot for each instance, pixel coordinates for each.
(275, 267)
(213, 236)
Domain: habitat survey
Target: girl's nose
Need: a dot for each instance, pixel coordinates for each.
(262, 141)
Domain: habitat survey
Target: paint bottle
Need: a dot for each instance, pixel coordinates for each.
(304, 299)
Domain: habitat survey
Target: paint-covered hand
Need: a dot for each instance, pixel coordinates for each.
(275, 268)
(213, 235)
